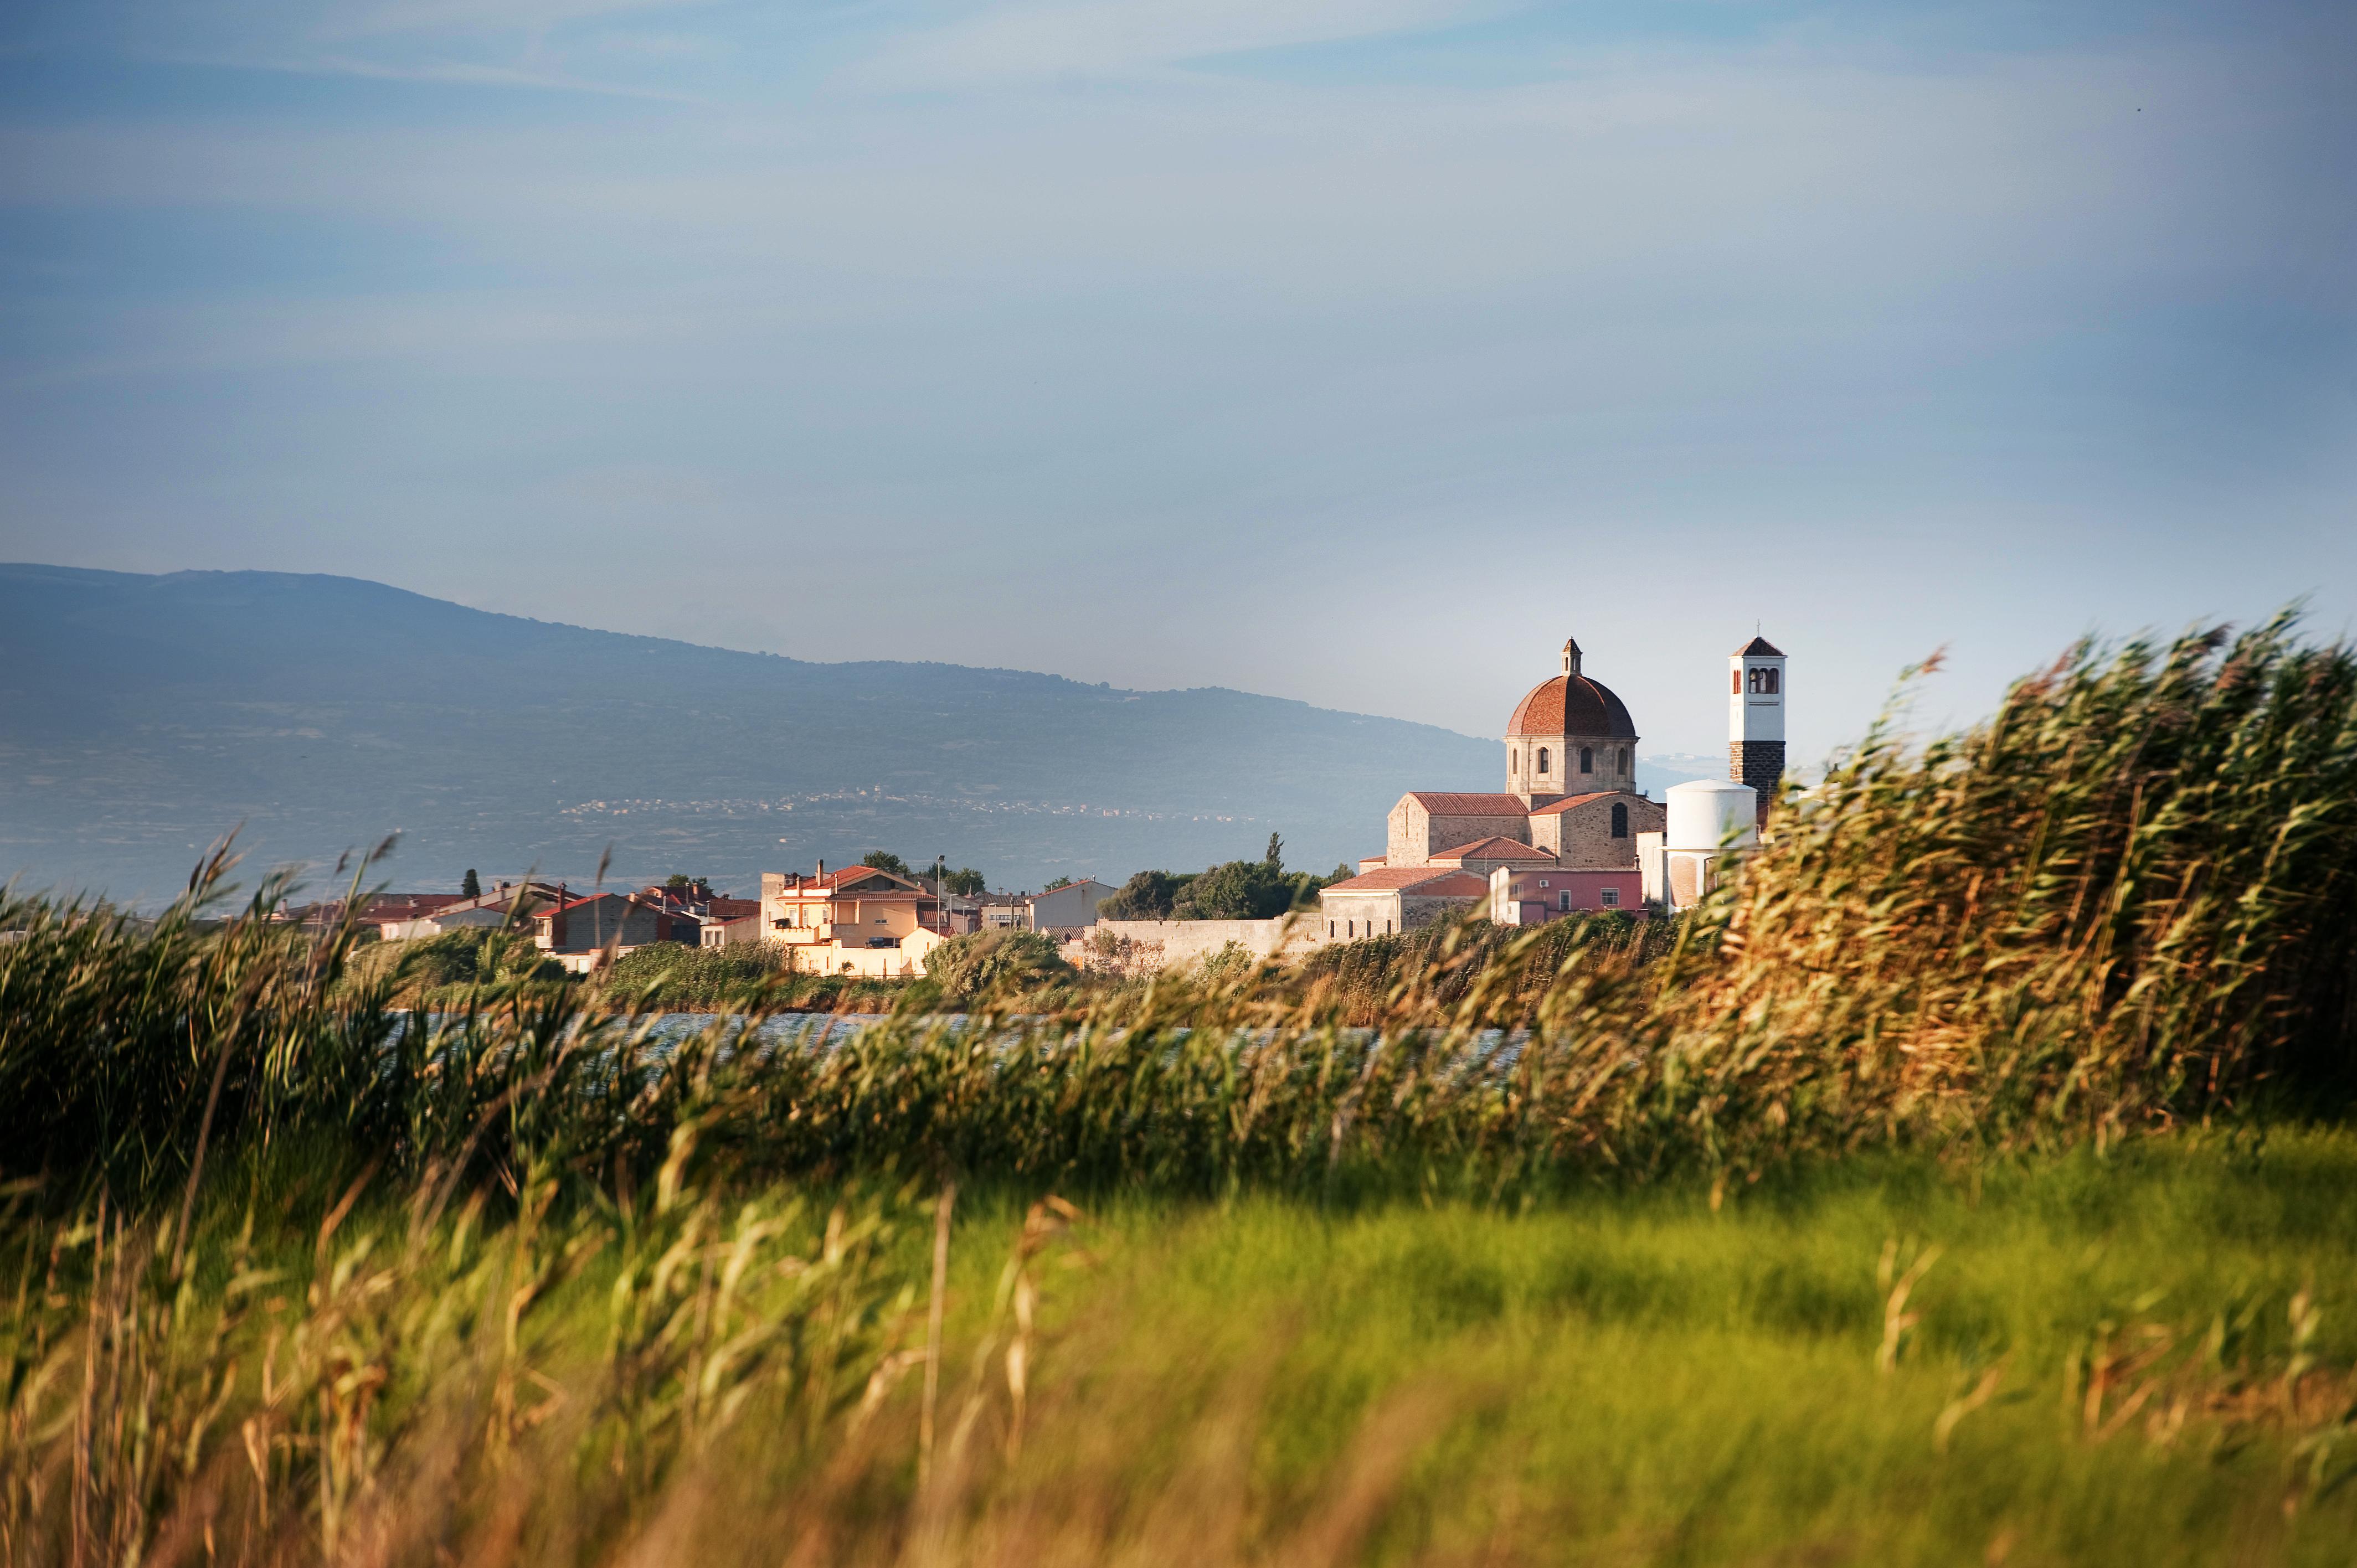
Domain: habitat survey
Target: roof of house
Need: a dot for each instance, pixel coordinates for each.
(1075, 882)
(732, 908)
(1759, 648)
(1568, 803)
(1494, 847)
(405, 905)
(1568, 706)
(576, 902)
(1453, 803)
(846, 877)
(495, 898)
(1439, 880)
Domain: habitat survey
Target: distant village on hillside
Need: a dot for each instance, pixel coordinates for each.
(1569, 834)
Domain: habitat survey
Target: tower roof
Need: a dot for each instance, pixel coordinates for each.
(1759, 648)
(1571, 705)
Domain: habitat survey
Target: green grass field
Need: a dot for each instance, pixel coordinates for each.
(2136, 1358)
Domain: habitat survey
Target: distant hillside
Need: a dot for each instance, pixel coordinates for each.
(140, 716)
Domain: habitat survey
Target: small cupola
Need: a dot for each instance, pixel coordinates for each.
(1570, 655)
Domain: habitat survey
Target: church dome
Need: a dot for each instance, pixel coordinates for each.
(1571, 705)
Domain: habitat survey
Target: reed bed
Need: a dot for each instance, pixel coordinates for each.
(300, 1277)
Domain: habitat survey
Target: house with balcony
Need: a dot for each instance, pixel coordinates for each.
(859, 921)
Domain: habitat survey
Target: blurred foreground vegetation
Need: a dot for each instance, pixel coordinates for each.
(1969, 1182)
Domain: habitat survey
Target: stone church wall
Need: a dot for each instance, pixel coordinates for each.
(1583, 835)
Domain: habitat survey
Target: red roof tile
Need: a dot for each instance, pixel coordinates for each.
(1568, 801)
(1492, 848)
(1429, 879)
(1571, 706)
(1448, 803)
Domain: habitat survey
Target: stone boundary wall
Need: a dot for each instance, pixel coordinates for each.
(1143, 946)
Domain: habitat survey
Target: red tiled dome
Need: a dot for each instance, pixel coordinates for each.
(1571, 705)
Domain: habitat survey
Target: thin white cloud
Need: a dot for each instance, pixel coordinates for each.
(456, 72)
(1112, 38)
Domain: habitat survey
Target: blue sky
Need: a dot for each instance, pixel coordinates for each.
(1347, 349)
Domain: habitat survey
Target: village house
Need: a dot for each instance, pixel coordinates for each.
(579, 932)
(377, 910)
(491, 910)
(859, 921)
(1072, 908)
(1391, 899)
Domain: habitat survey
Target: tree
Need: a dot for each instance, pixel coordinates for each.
(1275, 858)
(1237, 890)
(471, 886)
(1059, 882)
(885, 860)
(966, 882)
(1149, 896)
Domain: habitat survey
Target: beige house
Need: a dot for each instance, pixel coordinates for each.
(858, 920)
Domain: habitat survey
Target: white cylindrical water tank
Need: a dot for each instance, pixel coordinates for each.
(1702, 812)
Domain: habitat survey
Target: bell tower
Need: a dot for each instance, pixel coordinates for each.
(1755, 718)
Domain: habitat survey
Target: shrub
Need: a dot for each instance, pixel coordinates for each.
(992, 963)
(670, 975)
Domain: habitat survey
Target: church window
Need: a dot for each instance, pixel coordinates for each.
(1624, 759)
(1620, 821)
(1735, 683)
(1351, 927)
(1755, 682)
(1329, 927)
(1588, 759)
(1542, 761)
(1513, 762)
(1772, 683)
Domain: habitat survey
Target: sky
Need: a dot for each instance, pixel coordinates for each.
(1351, 350)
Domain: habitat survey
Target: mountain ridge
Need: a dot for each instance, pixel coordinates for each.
(143, 715)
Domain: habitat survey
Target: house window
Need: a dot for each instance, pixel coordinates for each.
(1329, 928)
(1620, 821)
(1588, 759)
(1542, 761)
(1610, 898)
(1562, 901)
(1350, 927)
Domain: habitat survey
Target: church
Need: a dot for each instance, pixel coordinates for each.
(1561, 836)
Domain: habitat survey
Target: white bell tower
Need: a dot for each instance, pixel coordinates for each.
(1755, 718)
